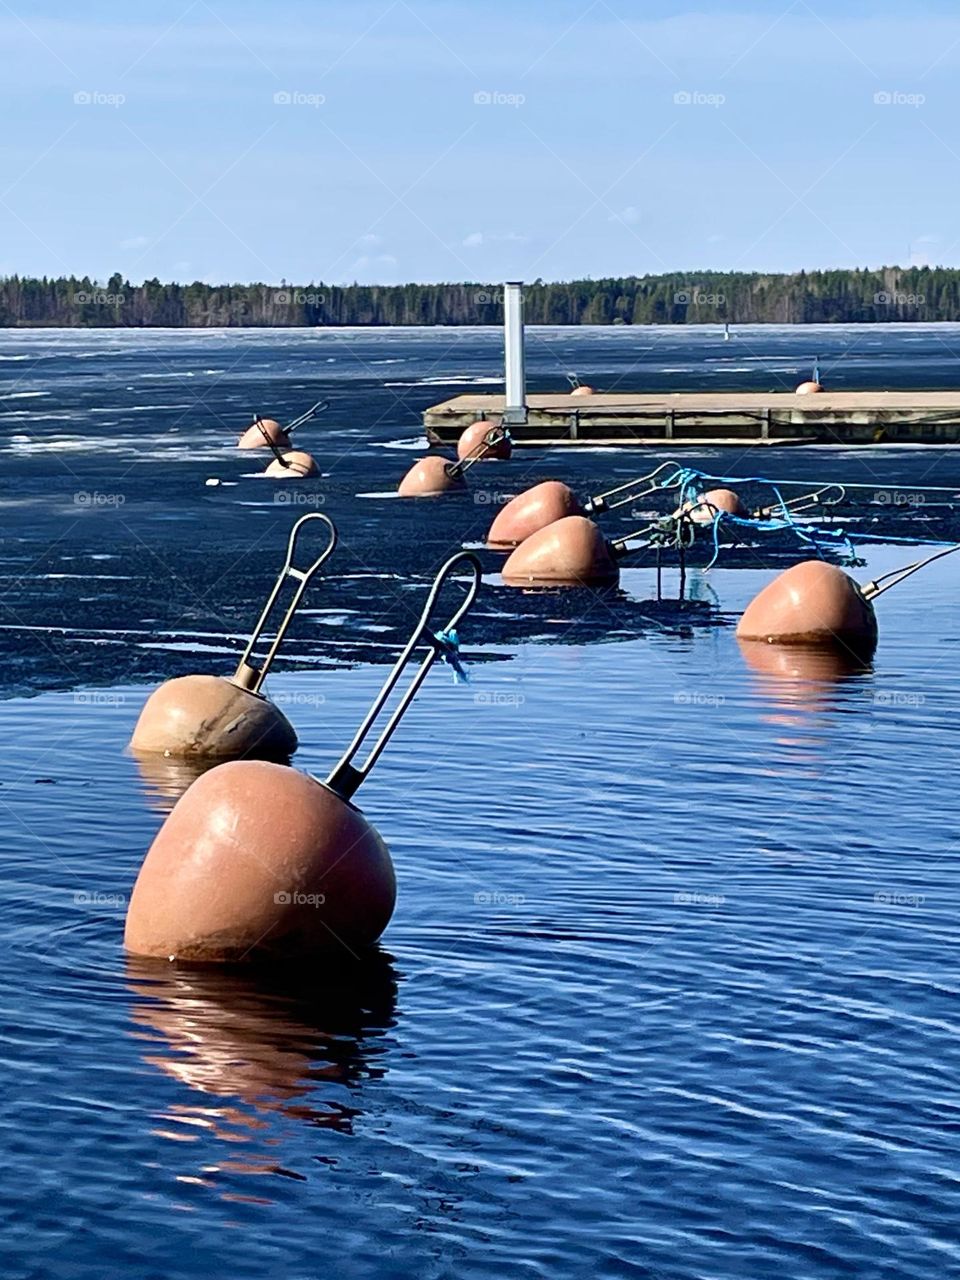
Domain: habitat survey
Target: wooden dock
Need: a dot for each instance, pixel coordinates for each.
(716, 418)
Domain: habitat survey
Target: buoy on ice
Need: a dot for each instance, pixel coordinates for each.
(226, 718)
(295, 465)
(260, 863)
(715, 502)
(569, 552)
(430, 477)
(532, 510)
(267, 433)
(497, 447)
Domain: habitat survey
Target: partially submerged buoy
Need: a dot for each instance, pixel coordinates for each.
(532, 510)
(431, 476)
(258, 862)
(295, 465)
(570, 552)
(213, 716)
(811, 603)
(475, 437)
(264, 433)
(582, 390)
(705, 508)
(808, 388)
(267, 433)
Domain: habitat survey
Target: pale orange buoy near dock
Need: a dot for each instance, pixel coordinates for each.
(705, 508)
(296, 465)
(582, 390)
(203, 715)
(570, 552)
(812, 603)
(262, 434)
(471, 440)
(808, 388)
(429, 477)
(258, 862)
(532, 510)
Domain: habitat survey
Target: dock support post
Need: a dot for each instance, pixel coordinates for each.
(515, 379)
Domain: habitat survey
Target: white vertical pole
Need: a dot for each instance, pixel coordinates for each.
(515, 380)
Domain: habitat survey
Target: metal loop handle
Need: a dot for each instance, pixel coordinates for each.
(248, 675)
(599, 502)
(312, 412)
(345, 777)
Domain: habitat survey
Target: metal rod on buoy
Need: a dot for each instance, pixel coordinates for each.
(248, 675)
(345, 777)
(312, 412)
(873, 589)
(515, 378)
(600, 502)
(494, 437)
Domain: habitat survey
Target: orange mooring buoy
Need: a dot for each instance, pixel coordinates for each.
(295, 465)
(215, 717)
(262, 434)
(706, 508)
(570, 552)
(812, 603)
(431, 476)
(808, 388)
(582, 390)
(532, 510)
(258, 862)
(475, 437)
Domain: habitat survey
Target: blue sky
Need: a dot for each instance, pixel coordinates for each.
(393, 140)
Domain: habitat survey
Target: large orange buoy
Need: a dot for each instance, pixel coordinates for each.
(812, 603)
(264, 433)
(215, 717)
(532, 510)
(475, 438)
(808, 388)
(582, 390)
(295, 465)
(705, 508)
(571, 552)
(258, 862)
(431, 476)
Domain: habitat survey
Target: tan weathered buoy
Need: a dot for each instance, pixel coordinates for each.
(474, 438)
(258, 862)
(431, 476)
(532, 510)
(295, 465)
(808, 388)
(812, 603)
(264, 433)
(706, 508)
(212, 716)
(582, 390)
(570, 552)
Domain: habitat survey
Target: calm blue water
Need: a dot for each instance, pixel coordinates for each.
(670, 987)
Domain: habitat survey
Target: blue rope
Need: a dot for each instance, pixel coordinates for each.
(447, 646)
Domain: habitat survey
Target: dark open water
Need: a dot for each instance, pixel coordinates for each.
(670, 989)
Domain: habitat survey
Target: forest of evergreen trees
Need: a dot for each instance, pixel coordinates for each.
(701, 297)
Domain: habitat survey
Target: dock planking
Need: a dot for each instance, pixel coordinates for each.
(714, 418)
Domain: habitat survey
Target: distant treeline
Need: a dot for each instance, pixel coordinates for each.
(695, 297)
